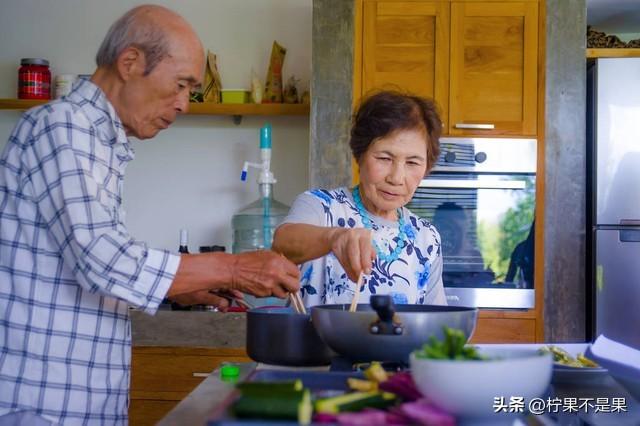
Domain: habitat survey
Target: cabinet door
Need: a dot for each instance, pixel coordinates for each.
(494, 55)
(504, 330)
(406, 47)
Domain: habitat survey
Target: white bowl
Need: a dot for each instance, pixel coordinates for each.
(468, 389)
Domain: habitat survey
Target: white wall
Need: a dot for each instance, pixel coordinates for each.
(626, 37)
(189, 175)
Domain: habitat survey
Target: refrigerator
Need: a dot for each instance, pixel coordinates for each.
(613, 216)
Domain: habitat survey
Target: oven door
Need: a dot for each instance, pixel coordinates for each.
(486, 225)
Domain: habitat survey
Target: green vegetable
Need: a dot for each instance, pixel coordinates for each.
(362, 385)
(376, 373)
(355, 401)
(563, 357)
(250, 388)
(452, 347)
(284, 405)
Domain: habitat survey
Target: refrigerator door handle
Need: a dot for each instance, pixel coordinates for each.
(630, 222)
(629, 236)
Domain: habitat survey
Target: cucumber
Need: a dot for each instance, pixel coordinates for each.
(355, 401)
(247, 388)
(362, 385)
(283, 405)
(381, 400)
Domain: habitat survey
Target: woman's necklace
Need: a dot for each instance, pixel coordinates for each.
(366, 221)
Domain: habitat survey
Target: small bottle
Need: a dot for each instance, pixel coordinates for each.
(63, 84)
(184, 249)
(184, 242)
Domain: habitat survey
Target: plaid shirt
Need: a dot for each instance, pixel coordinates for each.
(68, 267)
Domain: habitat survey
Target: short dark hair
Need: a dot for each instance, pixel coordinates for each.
(387, 111)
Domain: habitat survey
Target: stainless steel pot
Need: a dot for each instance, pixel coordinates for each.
(384, 332)
(280, 336)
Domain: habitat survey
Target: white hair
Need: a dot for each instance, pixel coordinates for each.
(130, 30)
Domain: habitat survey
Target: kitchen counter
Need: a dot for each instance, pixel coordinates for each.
(200, 404)
(189, 328)
(211, 395)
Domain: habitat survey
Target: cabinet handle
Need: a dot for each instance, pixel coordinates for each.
(475, 126)
(201, 374)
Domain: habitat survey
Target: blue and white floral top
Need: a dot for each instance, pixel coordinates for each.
(414, 277)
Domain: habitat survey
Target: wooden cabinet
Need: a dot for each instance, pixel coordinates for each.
(477, 60)
(500, 330)
(163, 376)
(507, 327)
(406, 46)
(494, 51)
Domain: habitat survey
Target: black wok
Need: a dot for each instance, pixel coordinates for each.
(384, 332)
(280, 336)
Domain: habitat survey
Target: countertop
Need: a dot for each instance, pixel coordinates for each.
(189, 328)
(200, 404)
(212, 394)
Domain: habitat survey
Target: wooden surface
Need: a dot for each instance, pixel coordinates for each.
(494, 51)
(406, 47)
(194, 108)
(163, 376)
(148, 412)
(507, 326)
(248, 109)
(478, 60)
(19, 104)
(613, 53)
(505, 330)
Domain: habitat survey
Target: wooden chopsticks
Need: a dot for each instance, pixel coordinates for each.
(296, 301)
(356, 296)
(240, 302)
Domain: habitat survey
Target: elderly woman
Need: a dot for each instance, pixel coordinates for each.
(338, 234)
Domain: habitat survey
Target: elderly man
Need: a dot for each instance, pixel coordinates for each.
(69, 269)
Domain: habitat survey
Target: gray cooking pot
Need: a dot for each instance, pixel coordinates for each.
(280, 336)
(384, 331)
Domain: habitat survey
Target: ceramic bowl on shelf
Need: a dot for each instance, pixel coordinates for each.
(470, 389)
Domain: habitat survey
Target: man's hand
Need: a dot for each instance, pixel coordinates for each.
(260, 273)
(353, 249)
(203, 297)
(264, 273)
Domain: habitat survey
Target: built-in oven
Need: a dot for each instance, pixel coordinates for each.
(481, 198)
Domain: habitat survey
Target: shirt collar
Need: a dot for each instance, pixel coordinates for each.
(102, 114)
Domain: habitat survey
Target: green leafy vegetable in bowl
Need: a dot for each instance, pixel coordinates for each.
(452, 347)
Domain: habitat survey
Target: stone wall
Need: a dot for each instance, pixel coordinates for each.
(331, 90)
(565, 171)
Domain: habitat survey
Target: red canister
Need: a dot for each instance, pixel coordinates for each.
(34, 79)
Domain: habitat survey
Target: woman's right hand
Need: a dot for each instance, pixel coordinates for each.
(354, 249)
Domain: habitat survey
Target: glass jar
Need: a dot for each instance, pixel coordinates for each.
(34, 79)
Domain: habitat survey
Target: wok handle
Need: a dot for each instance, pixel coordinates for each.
(383, 305)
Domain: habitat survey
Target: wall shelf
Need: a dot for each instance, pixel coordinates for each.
(234, 110)
(19, 104)
(613, 53)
